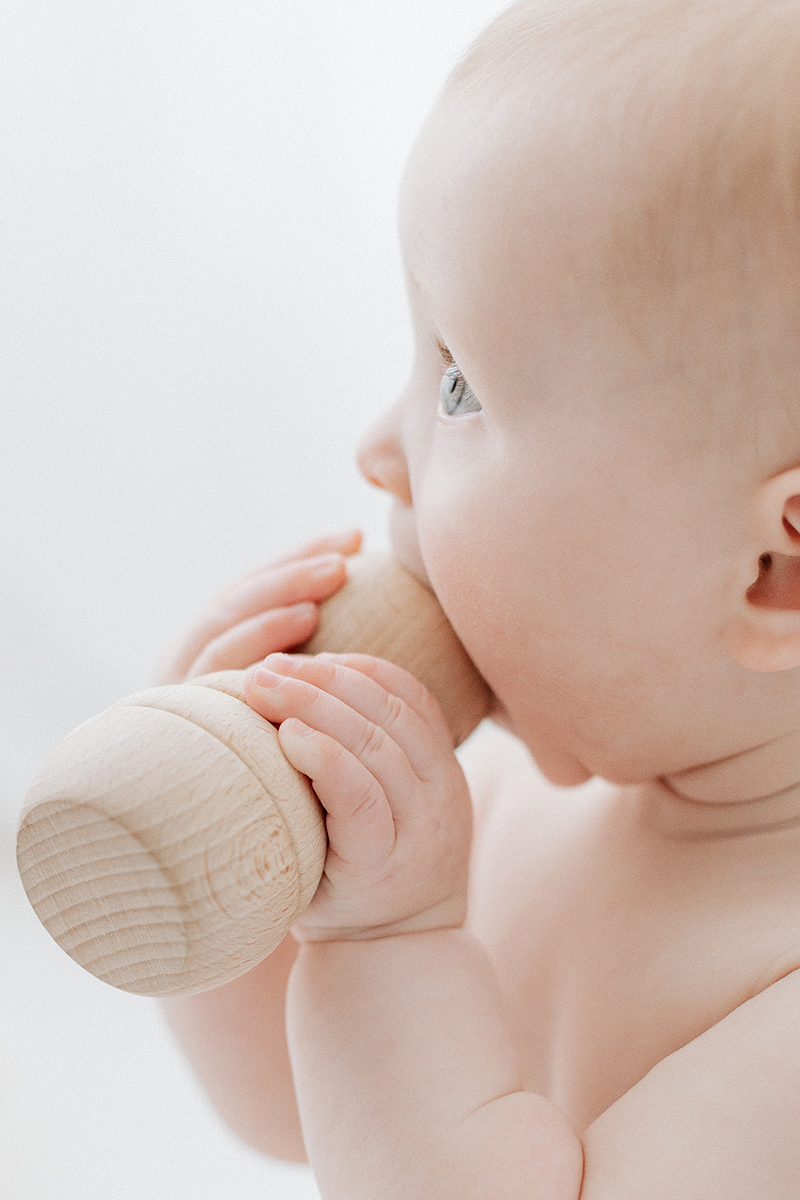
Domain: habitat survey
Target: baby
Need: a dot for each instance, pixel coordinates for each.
(596, 467)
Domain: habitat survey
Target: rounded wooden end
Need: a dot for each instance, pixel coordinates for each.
(102, 896)
(167, 845)
(385, 611)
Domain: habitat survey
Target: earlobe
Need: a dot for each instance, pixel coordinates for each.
(764, 635)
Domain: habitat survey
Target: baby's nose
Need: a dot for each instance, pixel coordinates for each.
(382, 461)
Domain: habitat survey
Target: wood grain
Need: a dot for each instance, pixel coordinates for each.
(167, 845)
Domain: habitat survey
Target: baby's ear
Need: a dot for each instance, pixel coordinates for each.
(764, 634)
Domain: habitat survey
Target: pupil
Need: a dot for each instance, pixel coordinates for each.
(451, 383)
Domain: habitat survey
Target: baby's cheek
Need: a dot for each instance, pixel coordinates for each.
(467, 591)
(487, 586)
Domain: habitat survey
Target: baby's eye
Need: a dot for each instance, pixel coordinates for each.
(456, 395)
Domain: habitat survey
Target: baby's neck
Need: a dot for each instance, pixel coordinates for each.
(756, 789)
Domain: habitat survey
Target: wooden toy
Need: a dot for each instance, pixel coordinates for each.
(167, 844)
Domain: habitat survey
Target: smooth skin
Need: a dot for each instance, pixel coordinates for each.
(587, 987)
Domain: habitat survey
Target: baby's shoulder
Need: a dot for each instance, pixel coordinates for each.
(600, 925)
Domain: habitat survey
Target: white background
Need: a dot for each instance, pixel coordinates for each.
(202, 308)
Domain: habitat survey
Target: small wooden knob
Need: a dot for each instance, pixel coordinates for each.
(167, 844)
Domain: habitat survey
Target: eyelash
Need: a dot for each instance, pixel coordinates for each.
(454, 389)
(445, 354)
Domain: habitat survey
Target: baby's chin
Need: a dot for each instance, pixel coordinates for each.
(558, 767)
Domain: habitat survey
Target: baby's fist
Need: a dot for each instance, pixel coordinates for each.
(379, 754)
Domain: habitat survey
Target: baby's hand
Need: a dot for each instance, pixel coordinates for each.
(271, 608)
(379, 754)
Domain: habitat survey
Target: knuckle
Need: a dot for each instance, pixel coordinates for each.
(364, 798)
(394, 711)
(313, 700)
(337, 754)
(328, 675)
(370, 741)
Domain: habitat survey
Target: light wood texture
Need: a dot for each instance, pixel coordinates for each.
(167, 845)
(385, 611)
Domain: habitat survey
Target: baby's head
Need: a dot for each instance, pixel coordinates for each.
(601, 222)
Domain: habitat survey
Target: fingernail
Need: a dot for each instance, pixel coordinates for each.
(326, 565)
(266, 679)
(279, 659)
(304, 611)
(299, 727)
(346, 535)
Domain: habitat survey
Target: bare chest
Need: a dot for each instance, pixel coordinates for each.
(614, 945)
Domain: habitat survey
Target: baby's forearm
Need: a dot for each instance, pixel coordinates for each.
(407, 1081)
(234, 1037)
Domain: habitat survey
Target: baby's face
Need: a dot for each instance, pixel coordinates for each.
(552, 491)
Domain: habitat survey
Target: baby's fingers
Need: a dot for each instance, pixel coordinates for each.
(280, 587)
(383, 694)
(346, 542)
(360, 825)
(277, 697)
(396, 681)
(255, 638)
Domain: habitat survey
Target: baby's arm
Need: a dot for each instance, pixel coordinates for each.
(234, 1035)
(235, 1038)
(716, 1120)
(407, 1080)
(406, 1076)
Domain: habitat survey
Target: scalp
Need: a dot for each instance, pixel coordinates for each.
(699, 97)
(680, 120)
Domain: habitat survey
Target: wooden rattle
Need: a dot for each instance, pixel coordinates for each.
(167, 844)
